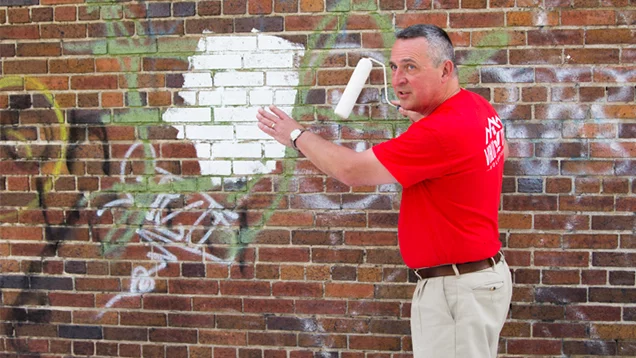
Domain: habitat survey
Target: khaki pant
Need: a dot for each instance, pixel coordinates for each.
(461, 316)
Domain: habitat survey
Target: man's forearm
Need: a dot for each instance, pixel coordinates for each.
(332, 159)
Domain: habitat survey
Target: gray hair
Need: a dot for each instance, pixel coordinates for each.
(438, 41)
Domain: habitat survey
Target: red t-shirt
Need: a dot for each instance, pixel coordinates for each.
(450, 165)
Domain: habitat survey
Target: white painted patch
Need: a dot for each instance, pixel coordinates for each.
(230, 77)
(191, 80)
(187, 115)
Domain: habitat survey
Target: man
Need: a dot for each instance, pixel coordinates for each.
(450, 165)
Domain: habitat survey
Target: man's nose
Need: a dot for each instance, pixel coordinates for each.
(398, 78)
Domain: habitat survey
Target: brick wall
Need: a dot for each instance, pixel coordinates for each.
(143, 215)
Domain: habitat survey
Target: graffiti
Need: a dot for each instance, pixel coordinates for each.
(251, 71)
(202, 214)
(159, 236)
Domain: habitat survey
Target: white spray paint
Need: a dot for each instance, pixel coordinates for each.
(155, 229)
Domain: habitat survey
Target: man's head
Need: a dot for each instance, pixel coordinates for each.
(440, 45)
(423, 64)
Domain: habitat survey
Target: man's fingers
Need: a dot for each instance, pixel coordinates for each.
(272, 117)
(278, 112)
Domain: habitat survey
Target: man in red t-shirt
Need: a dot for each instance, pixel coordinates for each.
(450, 165)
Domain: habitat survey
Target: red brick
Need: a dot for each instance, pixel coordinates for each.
(532, 18)
(19, 32)
(216, 304)
(321, 340)
(24, 66)
(534, 347)
(94, 82)
(613, 150)
(268, 305)
(518, 240)
(534, 312)
(112, 99)
(308, 22)
(561, 277)
(559, 330)
(565, 222)
(60, 2)
(86, 13)
(297, 289)
(590, 241)
(51, 83)
(377, 238)
(41, 14)
(259, 7)
(32, 249)
(125, 334)
(18, 15)
(587, 185)
(589, 167)
(142, 319)
(558, 185)
(67, 31)
(349, 290)
(476, 20)
(117, 64)
(375, 343)
(311, 6)
(321, 306)
(587, 17)
(65, 13)
(582, 203)
(97, 284)
(474, 4)
(21, 233)
(337, 256)
(292, 272)
(272, 339)
(591, 94)
(313, 237)
(562, 259)
(433, 18)
(342, 220)
(72, 65)
(241, 288)
(180, 335)
(614, 111)
(129, 350)
(589, 130)
(592, 56)
(614, 331)
(71, 299)
(609, 36)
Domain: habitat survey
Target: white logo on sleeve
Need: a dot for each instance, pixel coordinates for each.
(494, 141)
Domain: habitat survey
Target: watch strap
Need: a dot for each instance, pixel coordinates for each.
(293, 142)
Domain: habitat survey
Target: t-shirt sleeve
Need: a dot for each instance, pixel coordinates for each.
(415, 155)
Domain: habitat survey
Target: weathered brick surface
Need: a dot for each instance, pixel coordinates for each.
(142, 214)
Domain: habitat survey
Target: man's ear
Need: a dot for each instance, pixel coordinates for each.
(448, 70)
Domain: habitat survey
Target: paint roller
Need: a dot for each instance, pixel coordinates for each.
(355, 85)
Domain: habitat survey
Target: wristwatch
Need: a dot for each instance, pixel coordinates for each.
(293, 136)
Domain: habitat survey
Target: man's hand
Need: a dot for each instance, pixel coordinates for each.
(412, 115)
(277, 124)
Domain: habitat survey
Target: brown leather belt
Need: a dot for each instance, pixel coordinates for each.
(447, 270)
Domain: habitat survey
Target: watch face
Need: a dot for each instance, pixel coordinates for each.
(294, 134)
